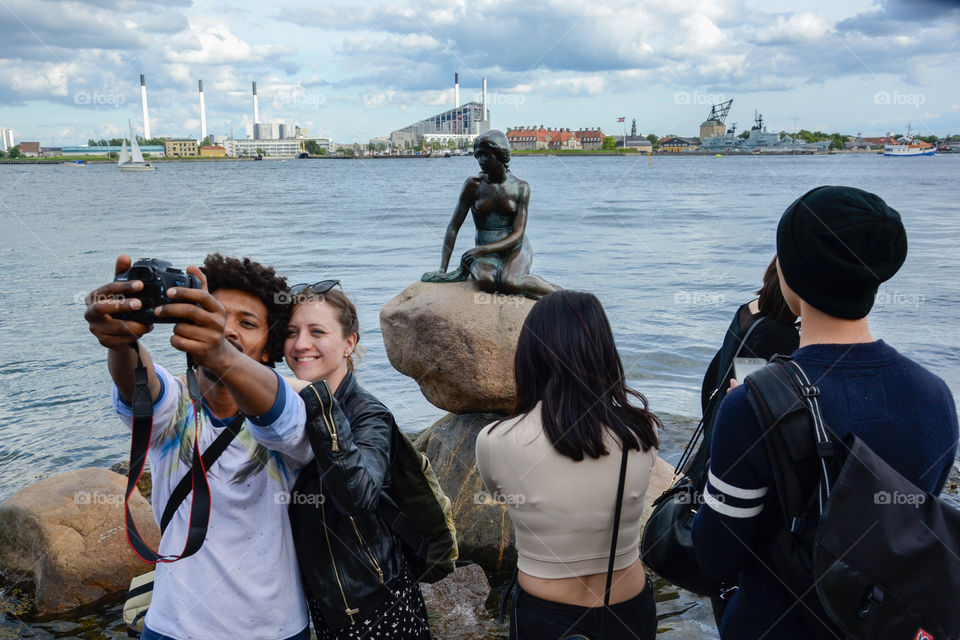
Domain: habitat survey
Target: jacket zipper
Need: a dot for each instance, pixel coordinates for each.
(346, 607)
(363, 545)
(328, 420)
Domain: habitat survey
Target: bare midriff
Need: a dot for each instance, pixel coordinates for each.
(587, 591)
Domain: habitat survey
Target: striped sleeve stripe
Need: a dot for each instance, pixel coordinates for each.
(729, 510)
(735, 492)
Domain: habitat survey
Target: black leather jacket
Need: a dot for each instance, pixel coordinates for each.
(345, 551)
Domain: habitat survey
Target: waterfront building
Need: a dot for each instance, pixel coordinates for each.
(6, 139)
(180, 147)
(639, 143)
(153, 150)
(676, 144)
(31, 149)
(212, 151)
(539, 138)
(460, 125)
(272, 131)
(590, 139)
(527, 138)
(272, 148)
(563, 139)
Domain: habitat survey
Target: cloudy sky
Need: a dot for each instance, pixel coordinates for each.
(69, 70)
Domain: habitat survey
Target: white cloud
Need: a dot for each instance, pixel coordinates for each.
(217, 44)
(799, 27)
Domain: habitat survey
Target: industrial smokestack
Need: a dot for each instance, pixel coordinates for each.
(256, 108)
(483, 115)
(146, 113)
(203, 116)
(456, 90)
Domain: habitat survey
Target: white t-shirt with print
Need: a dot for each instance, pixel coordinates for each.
(244, 581)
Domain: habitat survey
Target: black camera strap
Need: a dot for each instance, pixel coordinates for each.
(209, 456)
(142, 403)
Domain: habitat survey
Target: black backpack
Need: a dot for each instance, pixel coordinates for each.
(869, 554)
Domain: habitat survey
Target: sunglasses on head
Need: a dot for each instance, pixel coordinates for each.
(318, 288)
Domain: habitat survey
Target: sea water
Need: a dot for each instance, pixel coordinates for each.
(671, 247)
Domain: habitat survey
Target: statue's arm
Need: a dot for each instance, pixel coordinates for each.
(519, 226)
(467, 195)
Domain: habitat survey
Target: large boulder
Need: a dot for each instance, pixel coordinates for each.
(484, 530)
(67, 535)
(456, 605)
(457, 342)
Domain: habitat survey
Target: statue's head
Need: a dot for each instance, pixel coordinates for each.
(496, 143)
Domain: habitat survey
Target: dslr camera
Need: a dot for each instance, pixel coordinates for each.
(157, 276)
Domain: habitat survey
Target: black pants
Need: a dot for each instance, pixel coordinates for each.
(537, 619)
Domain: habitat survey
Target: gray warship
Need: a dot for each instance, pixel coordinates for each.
(759, 140)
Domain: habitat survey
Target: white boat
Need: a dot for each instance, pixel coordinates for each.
(907, 147)
(132, 161)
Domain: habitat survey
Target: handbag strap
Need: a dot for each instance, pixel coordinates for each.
(142, 403)
(688, 451)
(618, 509)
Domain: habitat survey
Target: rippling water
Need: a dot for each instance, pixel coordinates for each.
(672, 249)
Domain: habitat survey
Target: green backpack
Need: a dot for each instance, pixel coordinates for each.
(417, 510)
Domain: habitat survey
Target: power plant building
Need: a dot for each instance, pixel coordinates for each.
(460, 125)
(6, 139)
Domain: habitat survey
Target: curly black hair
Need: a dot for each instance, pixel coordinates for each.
(261, 281)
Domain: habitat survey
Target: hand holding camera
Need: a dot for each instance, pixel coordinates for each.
(157, 276)
(151, 291)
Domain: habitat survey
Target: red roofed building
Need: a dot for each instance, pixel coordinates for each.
(562, 139)
(539, 138)
(527, 138)
(590, 138)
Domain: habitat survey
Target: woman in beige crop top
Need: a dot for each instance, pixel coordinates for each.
(555, 463)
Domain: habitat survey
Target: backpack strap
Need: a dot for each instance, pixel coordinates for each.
(792, 429)
(784, 430)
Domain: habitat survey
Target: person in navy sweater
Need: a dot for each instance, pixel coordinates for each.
(835, 246)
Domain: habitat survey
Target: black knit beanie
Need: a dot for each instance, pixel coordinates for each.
(836, 245)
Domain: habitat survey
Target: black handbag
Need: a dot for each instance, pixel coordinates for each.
(667, 542)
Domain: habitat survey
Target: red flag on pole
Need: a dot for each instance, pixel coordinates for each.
(622, 119)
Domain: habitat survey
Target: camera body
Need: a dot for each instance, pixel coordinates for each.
(157, 276)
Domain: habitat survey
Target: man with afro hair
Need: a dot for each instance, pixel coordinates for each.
(244, 581)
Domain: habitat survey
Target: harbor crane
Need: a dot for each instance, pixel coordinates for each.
(719, 112)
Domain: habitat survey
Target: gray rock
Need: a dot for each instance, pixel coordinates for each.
(484, 530)
(456, 604)
(457, 342)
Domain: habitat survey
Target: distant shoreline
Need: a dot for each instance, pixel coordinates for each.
(522, 153)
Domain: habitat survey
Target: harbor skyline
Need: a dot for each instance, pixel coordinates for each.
(352, 75)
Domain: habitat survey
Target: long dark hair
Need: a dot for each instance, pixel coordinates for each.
(771, 302)
(566, 358)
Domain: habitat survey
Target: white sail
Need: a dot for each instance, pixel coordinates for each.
(124, 156)
(134, 147)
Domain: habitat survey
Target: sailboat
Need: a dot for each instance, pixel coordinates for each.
(132, 161)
